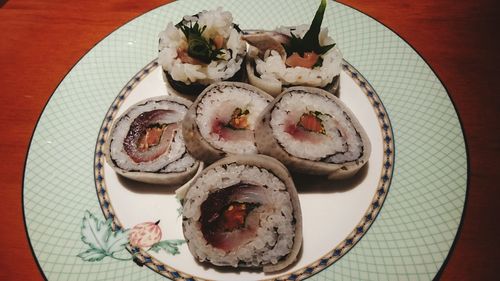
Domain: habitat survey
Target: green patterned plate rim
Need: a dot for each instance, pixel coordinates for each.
(413, 233)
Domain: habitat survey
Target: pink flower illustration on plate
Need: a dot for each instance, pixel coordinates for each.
(145, 234)
(105, 241)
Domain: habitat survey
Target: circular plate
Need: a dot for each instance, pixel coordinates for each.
(414, 230)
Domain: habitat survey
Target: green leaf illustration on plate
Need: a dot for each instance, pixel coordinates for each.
(170, 246)
(106, 242)
(92, 255)
(101, 238)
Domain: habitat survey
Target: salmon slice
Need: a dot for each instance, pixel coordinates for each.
(239, 119)
(311, 122)
(185, 58)
(233, 128)
(218, 41)
(308, 60)
(151, 138)
(148, 138)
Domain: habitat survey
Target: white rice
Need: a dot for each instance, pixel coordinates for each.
(339, 144)
(177, 159)
(219, 103)
(276, 230)
(216, 22)
(273, 69)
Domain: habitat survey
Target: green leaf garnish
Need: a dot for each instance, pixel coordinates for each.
(239, 115)
(310, 41)
(198, 46)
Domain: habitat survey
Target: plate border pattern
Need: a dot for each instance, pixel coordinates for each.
(143, 258)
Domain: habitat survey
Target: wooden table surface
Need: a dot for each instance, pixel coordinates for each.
(458, 39)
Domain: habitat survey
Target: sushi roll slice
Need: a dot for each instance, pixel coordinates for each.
(311, 131)
(221, 120)
(145, 143)
(244, 211)
(303, 55)
(200, 50)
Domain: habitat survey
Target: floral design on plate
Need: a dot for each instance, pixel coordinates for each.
(104, 241)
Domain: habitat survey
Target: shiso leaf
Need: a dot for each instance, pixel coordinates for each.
(198, 46)
(310, 41)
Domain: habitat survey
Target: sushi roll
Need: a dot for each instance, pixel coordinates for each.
(201, 50)
(302, 55)
(145, 143)
(221, 120)
(244, 211)
(311, 131)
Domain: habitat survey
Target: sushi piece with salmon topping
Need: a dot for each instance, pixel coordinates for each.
(303, 55)
(222, 119)
(311, 131)
(146, 144)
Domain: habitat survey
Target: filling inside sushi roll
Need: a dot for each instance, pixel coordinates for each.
(301, 55)
(148, 138)
(240, 215)
(200, 50)
(230, 216)
(226, 116)
(301, 120)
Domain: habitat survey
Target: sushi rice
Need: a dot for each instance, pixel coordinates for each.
(206, 131)
(174, 166)
(272, 69)
(311, 131)
(216, 22)
(278, 233)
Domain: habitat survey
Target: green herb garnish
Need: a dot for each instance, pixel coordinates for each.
(310, 41)
(198, 46)
(239, 119)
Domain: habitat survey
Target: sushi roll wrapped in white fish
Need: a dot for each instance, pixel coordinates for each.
(221, 121)
(244, 211)
(302, 55)
(201, 50)
(145, 143)
(311, 131)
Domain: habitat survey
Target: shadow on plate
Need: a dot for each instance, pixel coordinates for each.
(146, 188)
(319, 184)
